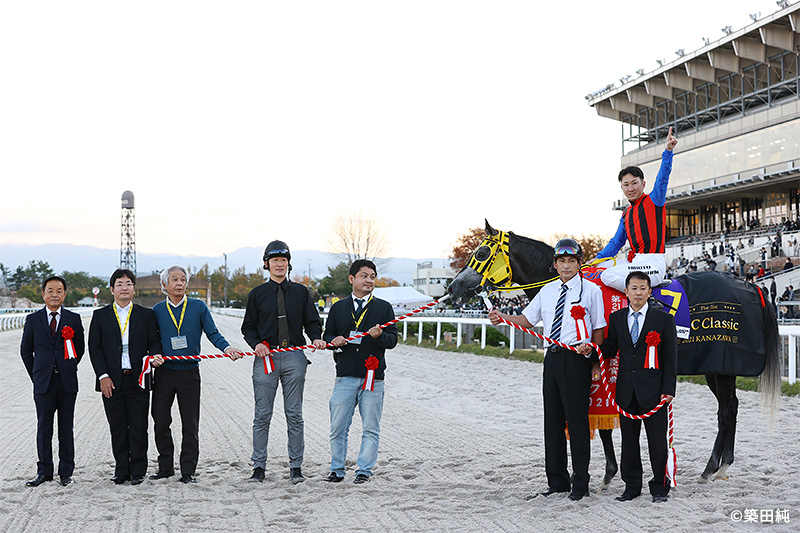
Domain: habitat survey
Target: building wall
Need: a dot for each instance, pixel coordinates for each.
(433, 282)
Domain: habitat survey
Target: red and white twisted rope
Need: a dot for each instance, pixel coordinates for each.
(602, 373)
(147, 366)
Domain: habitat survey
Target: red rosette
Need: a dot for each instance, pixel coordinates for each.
(67, 332)
(631, 255)
(577, 312)
(653, 338)
(372, 363)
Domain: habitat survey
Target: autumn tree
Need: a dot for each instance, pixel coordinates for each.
(311, 283)
(386, 282)
(358, 235)
(464, 246)
(591, 244)
(336, 282)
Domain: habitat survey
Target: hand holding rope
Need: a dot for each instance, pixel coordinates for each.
(147, 365)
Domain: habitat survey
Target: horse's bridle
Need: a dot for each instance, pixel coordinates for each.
(491, 261)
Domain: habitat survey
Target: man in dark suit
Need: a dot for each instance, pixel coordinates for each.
(51, 348)
(120, 337)
(355, 385)
(648, 356)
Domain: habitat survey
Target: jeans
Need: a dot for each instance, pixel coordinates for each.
(346, 395)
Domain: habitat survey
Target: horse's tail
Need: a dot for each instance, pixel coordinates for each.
(770, 380)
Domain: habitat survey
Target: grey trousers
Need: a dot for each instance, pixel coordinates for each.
(290, 370)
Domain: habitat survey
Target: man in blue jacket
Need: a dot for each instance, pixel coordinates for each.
(181, 322)
(52, 346)
(360, 366)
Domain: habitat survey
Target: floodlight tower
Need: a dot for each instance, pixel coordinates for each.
(127, 246)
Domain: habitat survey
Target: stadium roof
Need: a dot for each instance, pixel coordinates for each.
(752, 67)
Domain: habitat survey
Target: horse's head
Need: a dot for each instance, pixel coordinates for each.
(488, 264)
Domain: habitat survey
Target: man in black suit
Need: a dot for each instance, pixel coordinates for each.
(355, 385)
(51, 348)
(648, 357)
(120, 337)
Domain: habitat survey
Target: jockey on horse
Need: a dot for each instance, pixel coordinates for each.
(642, 225)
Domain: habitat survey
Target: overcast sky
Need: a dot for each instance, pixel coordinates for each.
(235, 123)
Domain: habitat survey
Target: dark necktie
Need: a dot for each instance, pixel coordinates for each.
(53, 323)
(635, 327)
(360, 303)
(555, 332)
(283, 323)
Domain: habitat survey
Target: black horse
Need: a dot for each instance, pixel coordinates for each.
(530, 263)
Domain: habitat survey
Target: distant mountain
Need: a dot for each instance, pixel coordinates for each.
(102, 262)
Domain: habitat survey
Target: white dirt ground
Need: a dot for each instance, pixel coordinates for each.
(461, 450)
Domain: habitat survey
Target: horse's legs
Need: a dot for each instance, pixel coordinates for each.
(724, 388)
(611, 458)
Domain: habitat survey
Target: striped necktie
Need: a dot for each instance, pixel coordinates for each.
(555, 331)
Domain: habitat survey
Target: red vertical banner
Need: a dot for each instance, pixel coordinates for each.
(603, 415)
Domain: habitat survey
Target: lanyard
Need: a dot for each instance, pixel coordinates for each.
(183, 312)
(363, 312)
(127, 319)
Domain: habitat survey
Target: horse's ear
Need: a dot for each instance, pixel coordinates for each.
(489, 229)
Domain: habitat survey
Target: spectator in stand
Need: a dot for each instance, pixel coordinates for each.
(763, 253)
(761, 272)
(788, 265)
(773, 291)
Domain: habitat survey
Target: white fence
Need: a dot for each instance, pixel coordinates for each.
(790, 335)
(15, 318)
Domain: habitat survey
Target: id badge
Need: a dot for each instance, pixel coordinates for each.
(179, 343)
(353, 334)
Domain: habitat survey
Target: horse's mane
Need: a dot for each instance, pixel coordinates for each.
(540, 246)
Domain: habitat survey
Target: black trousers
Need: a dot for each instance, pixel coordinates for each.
(631, 462)
(566, 387)
(126, 412)
(185, 384)
(55, 399)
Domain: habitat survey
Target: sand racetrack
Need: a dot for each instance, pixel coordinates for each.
(461, 450)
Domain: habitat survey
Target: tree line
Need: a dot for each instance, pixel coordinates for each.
(26, 282)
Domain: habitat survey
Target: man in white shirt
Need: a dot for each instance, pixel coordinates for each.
(120, 337)
(571, 310)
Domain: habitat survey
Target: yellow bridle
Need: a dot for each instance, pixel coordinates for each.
(498, 273)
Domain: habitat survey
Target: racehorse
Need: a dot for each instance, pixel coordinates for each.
(503, 259)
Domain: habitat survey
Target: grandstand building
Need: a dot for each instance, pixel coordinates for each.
(734, 106)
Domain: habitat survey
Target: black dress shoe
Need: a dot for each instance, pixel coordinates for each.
(119, 480)
(161, 475)
(361, 478)
(65, 480)
(659, 498)
(333, 478)
(626, 497)
(296, 475)
(550, 491)
(188, 478)
(38, 480)
(576, 496)
(258, 474)
(137, 480)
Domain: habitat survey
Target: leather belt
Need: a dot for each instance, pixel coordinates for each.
(127, 371)
(557, 349)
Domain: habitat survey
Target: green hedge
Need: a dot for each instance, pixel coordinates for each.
(493, 337)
